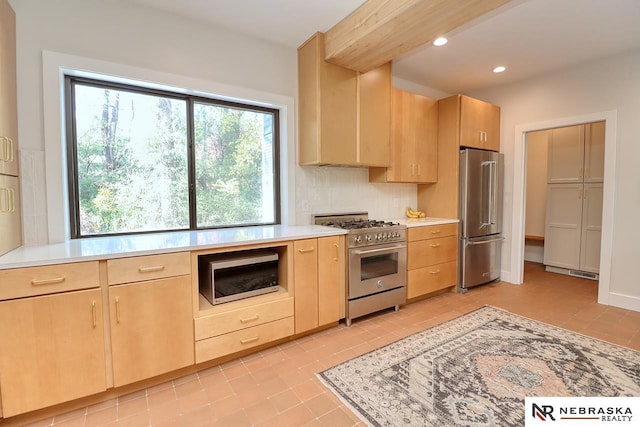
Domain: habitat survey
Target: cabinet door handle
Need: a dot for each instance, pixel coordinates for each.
(6, 198)
(586, 194)
(51, 281)
(12, 200)
(306, 250)
(586, 172)
(4, 150)
(413, 169)
(436, 232)
(250, 319)
(419, 169)
(337, 258)
(93, 314)
(580, 173)
(151, 269)
(117, 309)
(435, 271)
(435, 245)
(249, 340)
(580, 194)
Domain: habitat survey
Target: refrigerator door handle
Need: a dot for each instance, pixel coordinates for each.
(491, 190)
(493, 180)
(482, 242)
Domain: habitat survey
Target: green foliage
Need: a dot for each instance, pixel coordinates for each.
(228, 165)
(133, 167)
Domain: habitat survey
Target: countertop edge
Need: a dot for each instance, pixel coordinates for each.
(423, 222)
(105, 248)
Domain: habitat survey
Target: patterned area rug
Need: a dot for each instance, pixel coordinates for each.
(477, 369)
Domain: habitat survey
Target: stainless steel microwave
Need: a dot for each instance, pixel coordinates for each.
(233, 276)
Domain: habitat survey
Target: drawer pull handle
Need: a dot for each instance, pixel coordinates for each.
(52, 281)
(436, 232)
(435, 272)
(306, 250)
(337, 258)
(93, 313)
(435, 245)
(151, 269)
(117, 309)
(249, 340)
(250, 319)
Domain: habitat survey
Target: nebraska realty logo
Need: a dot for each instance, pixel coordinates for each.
(582, 411)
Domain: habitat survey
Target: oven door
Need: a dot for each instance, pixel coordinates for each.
(376, 269)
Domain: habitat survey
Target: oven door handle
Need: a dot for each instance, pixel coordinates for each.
(373, 251)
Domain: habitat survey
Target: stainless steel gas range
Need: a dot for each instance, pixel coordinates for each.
(376, 262)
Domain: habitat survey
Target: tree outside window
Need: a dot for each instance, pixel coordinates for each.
(143, 161)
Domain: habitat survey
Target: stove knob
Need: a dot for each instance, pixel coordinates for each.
(368, 237)
(385, 236)
(379, 236)
(357, 239)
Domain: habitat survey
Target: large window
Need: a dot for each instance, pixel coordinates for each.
(143, 160)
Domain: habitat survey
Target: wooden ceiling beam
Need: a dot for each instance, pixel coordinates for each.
(381, 30)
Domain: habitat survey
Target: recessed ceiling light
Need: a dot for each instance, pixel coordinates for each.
(499, 69)
(440, 41)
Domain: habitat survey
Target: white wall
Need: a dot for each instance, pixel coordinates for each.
(536, 197)
(117, 32)
(537, 143)
(611, 85)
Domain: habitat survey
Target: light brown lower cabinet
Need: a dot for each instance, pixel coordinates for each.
(319, 271)
(52, 350)
(432, 253)
(151, 328)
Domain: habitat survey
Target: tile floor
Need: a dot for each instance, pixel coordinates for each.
(278, 386)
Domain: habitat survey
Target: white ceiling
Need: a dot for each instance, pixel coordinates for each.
(529, 37)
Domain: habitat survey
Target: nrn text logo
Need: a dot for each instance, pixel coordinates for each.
(543, 412)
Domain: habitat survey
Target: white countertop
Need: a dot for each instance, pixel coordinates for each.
(420, 222)
(98, 248)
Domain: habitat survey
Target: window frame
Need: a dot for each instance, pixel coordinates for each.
(71, 152)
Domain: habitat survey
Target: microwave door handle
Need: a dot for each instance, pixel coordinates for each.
(373, 251)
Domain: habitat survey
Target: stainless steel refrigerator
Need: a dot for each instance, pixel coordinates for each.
(481, 177)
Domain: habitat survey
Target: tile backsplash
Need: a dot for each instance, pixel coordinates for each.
(34, 198)
(330, 189)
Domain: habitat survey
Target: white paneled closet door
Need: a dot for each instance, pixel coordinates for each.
(591, 227)
(563, 225)
(566, 155)
(594, 152)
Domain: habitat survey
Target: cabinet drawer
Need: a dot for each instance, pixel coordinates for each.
(137, 269)
(25, 282)
(233, 342)
(235, 320)
(423, 253)
(432, 231)
(430, 279)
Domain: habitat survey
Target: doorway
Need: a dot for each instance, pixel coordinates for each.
(519, 206)
(563, 200)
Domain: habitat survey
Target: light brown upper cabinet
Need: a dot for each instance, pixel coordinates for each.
(10, 223)
(344, 115)
(479, 124)
(8, 89)
(462, 122)
(414, 140)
